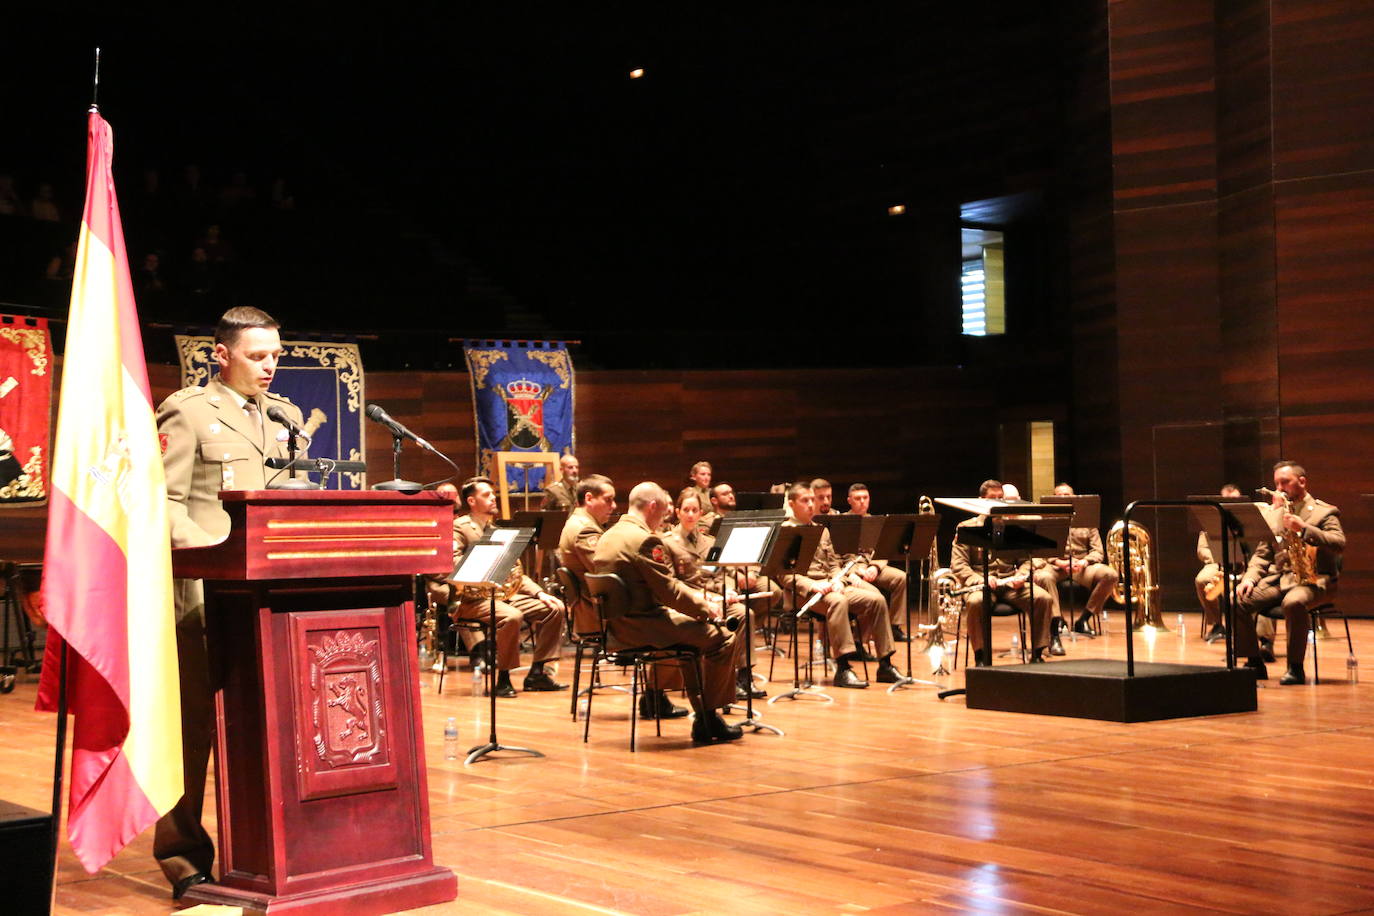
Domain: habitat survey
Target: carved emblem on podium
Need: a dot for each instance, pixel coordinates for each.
(347, 706)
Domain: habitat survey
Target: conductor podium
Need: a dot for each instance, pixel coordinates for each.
(321, 787)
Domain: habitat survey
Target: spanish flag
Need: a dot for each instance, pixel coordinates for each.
(107, 578)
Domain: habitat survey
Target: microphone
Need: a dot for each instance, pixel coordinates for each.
(276, 413)
(376, 414)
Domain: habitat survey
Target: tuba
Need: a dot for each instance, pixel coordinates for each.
(1144, 589)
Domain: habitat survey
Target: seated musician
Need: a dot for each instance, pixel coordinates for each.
(1010, 583)
(1085, 555)
(664, 611)
(525, 601)
(441, 595)
(722, 504)
(887, 579)
(843, 592)
(687, 546)
(1209, 577)
(595, 504)
(562, 493)
(700, 480)
(825, 496)
(1294, 577)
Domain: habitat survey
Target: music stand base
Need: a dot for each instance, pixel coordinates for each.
(812, 691)
(758, 726)
(491, 747)
(909, 681)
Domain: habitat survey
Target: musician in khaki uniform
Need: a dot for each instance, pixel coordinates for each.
(1213, 629)
(213, 438)
(663, 611)
(1010, 582)
(824, 493)
(562, 493)
(1083, 550)
(542, 611)
(886, 578)
(595, 504)
(1271, 580)
(841, 596)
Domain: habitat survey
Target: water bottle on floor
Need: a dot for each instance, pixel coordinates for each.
(1352, 669)
(1180, 625)
(451, 738)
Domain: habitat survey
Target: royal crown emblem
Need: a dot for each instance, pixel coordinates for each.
(524, 399)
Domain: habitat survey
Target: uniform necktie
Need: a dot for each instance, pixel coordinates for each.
(250, 409)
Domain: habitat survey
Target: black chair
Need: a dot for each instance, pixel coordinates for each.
(1316, 616)
(1073, 598)
(612, 600)
(589, 643)
(1000, 608)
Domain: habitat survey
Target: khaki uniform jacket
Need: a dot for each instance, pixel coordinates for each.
(465, 534)
(688, 556)
(1322, 529)
(577, 543)
(636, 554)
(966, 562)
(825, 565)
(559, 495)
(210, 444)
(1082, 544)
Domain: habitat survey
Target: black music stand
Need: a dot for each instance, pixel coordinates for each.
(1245, 523)
(791, 552)
(1087, 513)
(761, 500)
(900, 537)
(745, 543)
(548, 530)
(1009, 529)
(487, 564)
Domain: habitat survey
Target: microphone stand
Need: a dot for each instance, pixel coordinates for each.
(293, 482)
(397, 483)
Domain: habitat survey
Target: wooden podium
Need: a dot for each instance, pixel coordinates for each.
(319, 756)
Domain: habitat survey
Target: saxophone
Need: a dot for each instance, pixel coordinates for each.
(1302, 557)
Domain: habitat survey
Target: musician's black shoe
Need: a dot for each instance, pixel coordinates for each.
(1294, 675)
(190, 881)
(982, 658)
(538, 681)
(846, 677)
(1216, 634)
(1056, 644)
(898, 635)
(888, 673)
(714, 730)
(1267, 649)
(505, 690)
(652, 701)
(477, 655)
(744, 686)
(1084, 624)
(1038, 655)
(1256, 664)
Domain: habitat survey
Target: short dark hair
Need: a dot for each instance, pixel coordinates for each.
(989, 484)
(689, 493)
(819, 483)
(593, 484)
(237, 320)
(796, 489)
(470, 486)
(856, 487)
(1297, 468)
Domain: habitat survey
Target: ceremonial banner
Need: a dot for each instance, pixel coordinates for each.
(522, 401)
(323, 378)
(25, 403)
(107, 578)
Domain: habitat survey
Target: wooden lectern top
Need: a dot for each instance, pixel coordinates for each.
(289, 534)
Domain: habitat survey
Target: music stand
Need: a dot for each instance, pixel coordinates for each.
(744, 543)
(791, 552)
(1087, 513)
(759, 500)
(899, 537)
(1010, 529)
(548, 531)
(487, 564)
(1245, 522)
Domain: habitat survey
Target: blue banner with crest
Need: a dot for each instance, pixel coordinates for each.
(522, 401)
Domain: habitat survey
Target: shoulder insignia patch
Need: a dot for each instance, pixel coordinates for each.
(658, 554)
(162, 442)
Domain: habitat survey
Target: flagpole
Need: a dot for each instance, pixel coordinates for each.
(95, 83)
(59, 759)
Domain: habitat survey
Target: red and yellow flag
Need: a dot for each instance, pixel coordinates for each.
(107, 578)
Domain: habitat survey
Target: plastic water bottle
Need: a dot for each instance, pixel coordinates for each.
(583, 708)
(451, 738)
(1352, 669)
(1015, 642)
(817, 649)
(477, 679)
(1180, 625)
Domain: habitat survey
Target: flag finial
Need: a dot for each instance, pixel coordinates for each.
(95, 83)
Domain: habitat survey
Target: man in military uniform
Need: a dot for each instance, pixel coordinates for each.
(1213, 630)
(879, 573)
(1010, 583)
(1271, 581)
(213, 438)
(1084, 553)
(722, 503)
(528, 602)
(595, 504)
(841, 596)
(701, 480)
(562, 493)
(825, 496)
(663, 611)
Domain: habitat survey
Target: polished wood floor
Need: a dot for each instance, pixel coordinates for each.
(876, 803)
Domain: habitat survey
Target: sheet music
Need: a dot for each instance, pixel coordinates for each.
(503, 535)
(478, 562)
(744, 545)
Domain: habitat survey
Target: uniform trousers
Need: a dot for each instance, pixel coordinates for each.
(1294, 603)
(1028, 597)
(1098, 578)
(1211, 607)
(868, 606)
(546, 625)
(665, 628)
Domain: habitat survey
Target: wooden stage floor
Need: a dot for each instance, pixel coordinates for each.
(876, 803)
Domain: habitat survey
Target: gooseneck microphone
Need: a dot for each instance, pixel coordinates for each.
(378, 415)
(276, 413)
